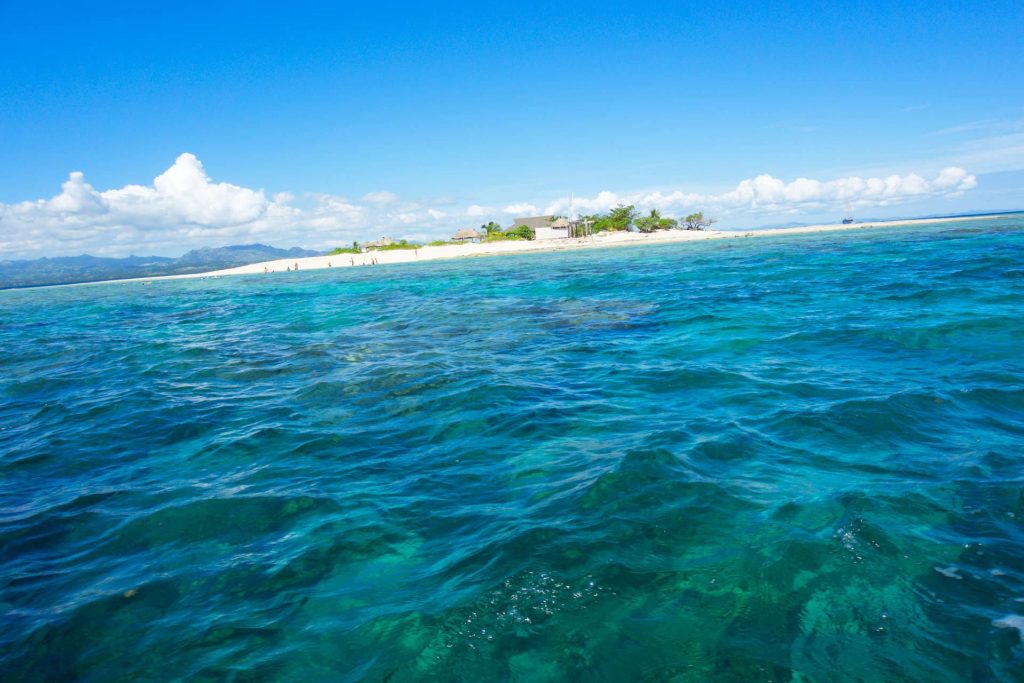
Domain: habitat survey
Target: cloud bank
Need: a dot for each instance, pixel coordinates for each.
(185, 208)
(766, 194)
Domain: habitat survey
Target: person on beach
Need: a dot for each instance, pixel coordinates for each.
(296, 265)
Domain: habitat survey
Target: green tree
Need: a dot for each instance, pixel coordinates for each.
(697, 221)
(520, 232)
(621, 217)
(655, 221)
(490, 228)
(599, 221)
(647, 223)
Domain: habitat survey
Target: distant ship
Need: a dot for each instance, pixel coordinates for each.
(848, 210)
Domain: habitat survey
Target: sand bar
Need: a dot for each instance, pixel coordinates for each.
(601, 240)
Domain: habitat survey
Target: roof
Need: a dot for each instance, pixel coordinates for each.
(382, 242)
(561, 223)
(533, 222)
(466, 234)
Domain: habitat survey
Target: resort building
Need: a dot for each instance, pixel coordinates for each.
(544, 227)
(466, 235)
(549, 228)
(382, 242)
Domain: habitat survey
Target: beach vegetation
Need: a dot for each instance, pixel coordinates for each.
(596, 221)
(491, 228)
(697, 221)
(655, 221)
(619, 218)
(354, 249)
(521, 232)
(625, 217)
(400, 244)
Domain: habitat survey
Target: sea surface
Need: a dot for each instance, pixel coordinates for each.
(793, 458)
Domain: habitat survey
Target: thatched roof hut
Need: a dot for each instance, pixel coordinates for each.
(466, 235)
(532, 222)
(382, 242)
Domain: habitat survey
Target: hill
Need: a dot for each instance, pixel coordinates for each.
(65, 270)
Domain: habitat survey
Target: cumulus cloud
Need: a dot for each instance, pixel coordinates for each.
(768, 194)
(185, 208)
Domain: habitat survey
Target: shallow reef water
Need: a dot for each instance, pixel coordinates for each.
(793, 458)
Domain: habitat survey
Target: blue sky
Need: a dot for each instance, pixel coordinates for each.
(336, 121)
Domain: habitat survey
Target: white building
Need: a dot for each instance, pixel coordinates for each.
(544, 227)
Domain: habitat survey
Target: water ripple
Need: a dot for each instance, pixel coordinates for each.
(773, 459)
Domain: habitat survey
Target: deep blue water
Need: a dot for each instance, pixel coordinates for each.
(794, 458)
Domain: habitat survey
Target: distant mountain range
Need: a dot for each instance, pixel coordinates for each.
(65, 270)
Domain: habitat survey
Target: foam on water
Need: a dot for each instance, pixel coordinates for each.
(779, 459)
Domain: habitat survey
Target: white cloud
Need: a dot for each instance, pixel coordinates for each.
(184, 208)
(521, 209)
(994, 154)
(380, 197)
(956, 179)
(766, 194)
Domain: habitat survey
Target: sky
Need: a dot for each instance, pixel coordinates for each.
(153, 128)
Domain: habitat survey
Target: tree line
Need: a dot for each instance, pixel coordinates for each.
(622, 217)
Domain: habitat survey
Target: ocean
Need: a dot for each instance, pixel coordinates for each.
(793, 458)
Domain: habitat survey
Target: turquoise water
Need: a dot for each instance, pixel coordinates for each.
(774, 459)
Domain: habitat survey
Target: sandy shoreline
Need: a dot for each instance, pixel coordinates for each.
(456, 251)
(516, 247)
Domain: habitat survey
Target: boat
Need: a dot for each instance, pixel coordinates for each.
(848, 213)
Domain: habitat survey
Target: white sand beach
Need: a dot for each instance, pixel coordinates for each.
(470, 250)
(601, 240)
